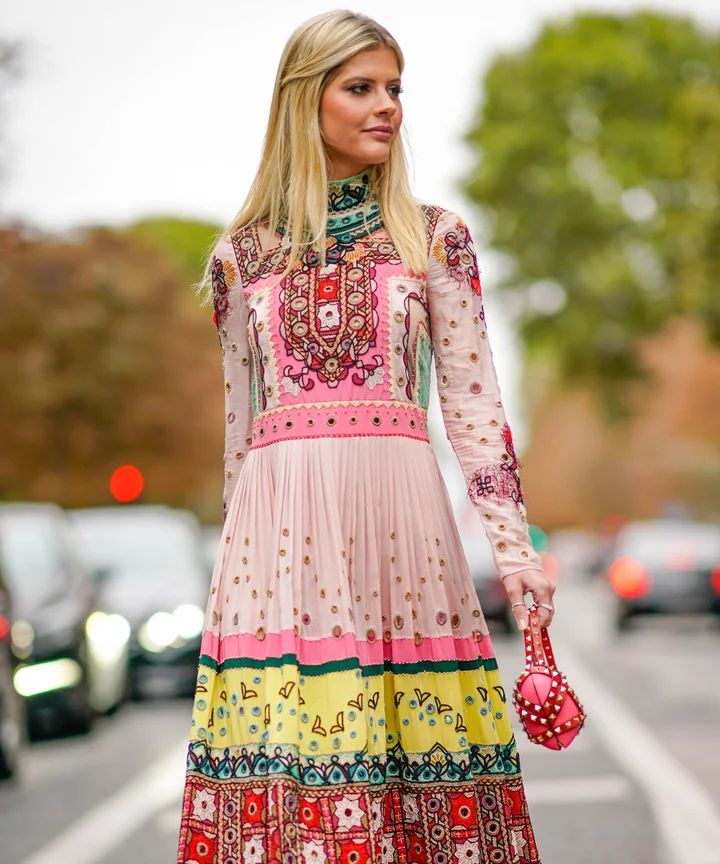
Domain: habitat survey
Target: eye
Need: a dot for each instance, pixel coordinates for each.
(359, 88)
(396, 90)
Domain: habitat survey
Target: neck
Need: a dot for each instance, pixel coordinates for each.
(339, 172)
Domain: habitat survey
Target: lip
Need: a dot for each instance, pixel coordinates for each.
(382, 133)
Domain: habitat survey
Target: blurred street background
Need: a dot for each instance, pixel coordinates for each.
(581, 142)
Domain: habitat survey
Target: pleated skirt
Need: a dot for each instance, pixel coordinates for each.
(348, 706)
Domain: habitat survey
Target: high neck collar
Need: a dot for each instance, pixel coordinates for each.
(353, 211)
(349, 193)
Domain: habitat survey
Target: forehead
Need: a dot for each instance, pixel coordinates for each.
(380, 62)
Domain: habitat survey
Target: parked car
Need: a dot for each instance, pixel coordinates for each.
(488, 585)
(666, 566)
(149, 567)
(12, 707)
(578, 553)
(72, 659)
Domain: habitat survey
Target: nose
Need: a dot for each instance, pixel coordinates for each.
(385, 105)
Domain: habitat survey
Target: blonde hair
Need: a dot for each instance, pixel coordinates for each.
(291, 182)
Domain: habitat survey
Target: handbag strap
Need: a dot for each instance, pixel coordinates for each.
(538, 650)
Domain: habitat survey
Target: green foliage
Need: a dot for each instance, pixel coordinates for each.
(188, 243)
(598, 169)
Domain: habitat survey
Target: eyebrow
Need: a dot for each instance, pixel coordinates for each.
(363, 79)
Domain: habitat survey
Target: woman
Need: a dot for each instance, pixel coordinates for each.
(348, 704)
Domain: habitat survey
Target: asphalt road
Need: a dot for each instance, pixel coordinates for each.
(640, 785)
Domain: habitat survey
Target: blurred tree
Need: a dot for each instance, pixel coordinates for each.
(187, 242)
(103, 364)
(578, 471)
(598, 169)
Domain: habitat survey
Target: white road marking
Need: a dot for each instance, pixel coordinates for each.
(577, 790)
(104, 827)
(684, 812)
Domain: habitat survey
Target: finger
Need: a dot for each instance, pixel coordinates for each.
(543, 596)
(517, 606)
(545, 616)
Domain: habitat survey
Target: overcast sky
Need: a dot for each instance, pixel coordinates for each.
(129, 108)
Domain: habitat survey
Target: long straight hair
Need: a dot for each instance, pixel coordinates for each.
(291, 183)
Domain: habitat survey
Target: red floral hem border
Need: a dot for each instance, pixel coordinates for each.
(262, 820)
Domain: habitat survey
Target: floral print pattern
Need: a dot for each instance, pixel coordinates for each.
(223, 275)
(455, 250)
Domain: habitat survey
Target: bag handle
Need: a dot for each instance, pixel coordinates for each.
(538, 650)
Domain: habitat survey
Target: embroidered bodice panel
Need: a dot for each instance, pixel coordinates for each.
(347, 348)
(355, 330)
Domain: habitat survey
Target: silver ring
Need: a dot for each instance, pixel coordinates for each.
(546, 606)
(519, 603)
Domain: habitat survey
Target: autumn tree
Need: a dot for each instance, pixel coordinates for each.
(103, 362)
(598, 171)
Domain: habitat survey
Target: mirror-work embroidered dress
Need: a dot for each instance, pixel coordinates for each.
(348, 705)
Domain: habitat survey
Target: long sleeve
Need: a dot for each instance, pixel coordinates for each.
(470, 399)
(230, 317)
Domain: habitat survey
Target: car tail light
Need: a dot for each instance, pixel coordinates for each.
(629, 578)
(715, 580)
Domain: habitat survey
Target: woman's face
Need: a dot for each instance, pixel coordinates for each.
(360, 112)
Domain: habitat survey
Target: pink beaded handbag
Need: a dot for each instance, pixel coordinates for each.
(549, 710)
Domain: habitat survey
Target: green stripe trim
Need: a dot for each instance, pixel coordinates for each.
(349, 664)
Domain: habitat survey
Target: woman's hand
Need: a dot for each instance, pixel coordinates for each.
(537, 583)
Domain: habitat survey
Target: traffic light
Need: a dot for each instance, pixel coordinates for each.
(126, 483)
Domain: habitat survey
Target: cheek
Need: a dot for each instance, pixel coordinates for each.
(339, 114)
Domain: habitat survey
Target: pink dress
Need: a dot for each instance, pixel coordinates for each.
(348, 704)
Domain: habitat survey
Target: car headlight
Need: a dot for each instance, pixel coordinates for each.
(158, 632)
(189, 620)
(107, 635)
(165, 630)
(22, 636)
(46, 677)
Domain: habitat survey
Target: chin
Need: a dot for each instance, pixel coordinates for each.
(377, 160)
(375, 155)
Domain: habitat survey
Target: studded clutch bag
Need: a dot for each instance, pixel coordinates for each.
(549, 710)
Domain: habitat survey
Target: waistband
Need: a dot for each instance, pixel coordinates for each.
(340, 420)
